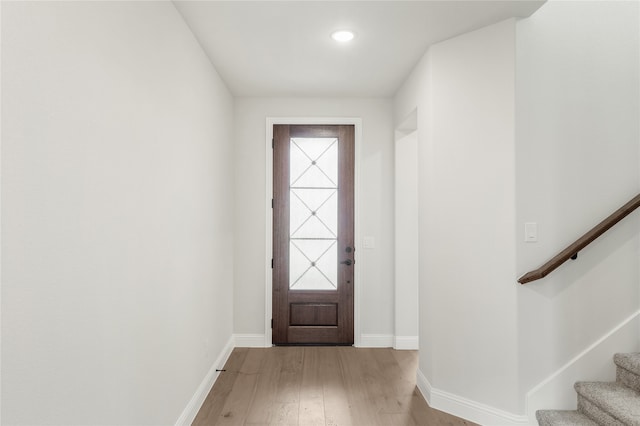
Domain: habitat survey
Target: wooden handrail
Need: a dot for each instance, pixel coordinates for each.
(572, 250)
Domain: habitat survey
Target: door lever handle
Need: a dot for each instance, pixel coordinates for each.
(348, 262)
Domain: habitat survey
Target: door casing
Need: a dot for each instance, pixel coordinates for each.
(357, 123)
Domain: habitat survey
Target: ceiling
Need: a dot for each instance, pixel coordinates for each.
(284, 48)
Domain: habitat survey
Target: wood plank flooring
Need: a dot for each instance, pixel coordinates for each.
(313, 386)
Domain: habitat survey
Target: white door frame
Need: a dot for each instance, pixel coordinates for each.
(357, 123)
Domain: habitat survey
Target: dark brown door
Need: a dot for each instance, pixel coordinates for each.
(313, 236)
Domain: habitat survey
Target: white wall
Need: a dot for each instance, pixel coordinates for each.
(116, 213)
(578, 137)
(574, 160)
(375, 208)
(464, 92)
(406, 241)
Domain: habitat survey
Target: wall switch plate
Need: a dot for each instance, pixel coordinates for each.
(530, 232)
(369, 242)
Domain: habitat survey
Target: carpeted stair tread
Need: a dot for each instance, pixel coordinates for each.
(630, 362)
(615, 399)
(563, 418)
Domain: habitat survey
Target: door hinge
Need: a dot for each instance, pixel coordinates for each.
(273, 143)
(271, 263)
(271, 322)
(272, 203)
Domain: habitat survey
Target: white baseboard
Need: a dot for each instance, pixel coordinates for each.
(191, 411)
(595, 363)
(423, 386)
(465, 408)
(249, 340)
(376, 341)
(406, 343)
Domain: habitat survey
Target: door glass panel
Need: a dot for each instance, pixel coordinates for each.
(313, 200)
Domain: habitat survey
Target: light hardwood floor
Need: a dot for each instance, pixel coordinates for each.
(310, 386)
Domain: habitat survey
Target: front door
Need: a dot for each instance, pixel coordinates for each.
(313, 234)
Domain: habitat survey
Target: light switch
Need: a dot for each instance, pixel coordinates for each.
(530, 232)
(368, 242)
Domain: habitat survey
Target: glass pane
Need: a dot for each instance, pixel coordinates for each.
(313, 227)
(314, 162)
(313, 264)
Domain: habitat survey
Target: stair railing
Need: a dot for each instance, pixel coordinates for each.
(571, 252)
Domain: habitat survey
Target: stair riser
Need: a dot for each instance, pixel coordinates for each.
(562, 418)
(595, 413)
(628, 379)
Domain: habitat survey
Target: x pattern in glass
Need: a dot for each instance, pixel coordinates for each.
(313, 200)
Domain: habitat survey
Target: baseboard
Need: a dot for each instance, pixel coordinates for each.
(190, 412)
(406, 343)
(249, 340)
(423, 386)
(376, 341)
(474, 411)
(465, 408)
(595, 363)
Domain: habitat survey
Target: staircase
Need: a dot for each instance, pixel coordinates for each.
(604, 403)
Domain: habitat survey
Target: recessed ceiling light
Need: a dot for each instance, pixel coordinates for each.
(342, 36)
